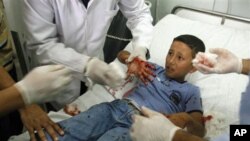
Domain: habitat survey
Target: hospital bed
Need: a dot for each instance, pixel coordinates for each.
(220, 93)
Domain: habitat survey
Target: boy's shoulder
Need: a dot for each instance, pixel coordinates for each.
(192, 85)
(193, 88)
(187, 87)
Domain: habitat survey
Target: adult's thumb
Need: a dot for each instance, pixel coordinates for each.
(217, 51)
(49, 68)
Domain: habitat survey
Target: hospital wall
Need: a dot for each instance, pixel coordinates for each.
(159, 8)
(235, 7)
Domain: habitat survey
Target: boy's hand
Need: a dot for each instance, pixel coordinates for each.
(140, 69)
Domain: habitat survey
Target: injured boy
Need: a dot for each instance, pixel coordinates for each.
(164, 90)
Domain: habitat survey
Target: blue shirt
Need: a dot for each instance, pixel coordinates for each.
(166, 95)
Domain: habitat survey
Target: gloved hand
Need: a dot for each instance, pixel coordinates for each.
(139, 52)
(105, 74)
(225, 62)
(153, 127)
(43, 83)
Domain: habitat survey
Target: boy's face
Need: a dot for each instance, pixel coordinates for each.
(179, 61)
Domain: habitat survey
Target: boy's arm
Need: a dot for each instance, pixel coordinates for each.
(196, 125)
(192, 122)
(6, 81)
(181, 135)
(245, 66)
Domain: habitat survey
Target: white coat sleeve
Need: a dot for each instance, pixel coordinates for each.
(43, 37)
(139, 21)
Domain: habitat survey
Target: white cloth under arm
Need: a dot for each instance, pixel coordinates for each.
(65, 32)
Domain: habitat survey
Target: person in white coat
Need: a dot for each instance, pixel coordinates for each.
(72, 33)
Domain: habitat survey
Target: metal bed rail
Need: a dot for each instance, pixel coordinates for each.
(224, 16)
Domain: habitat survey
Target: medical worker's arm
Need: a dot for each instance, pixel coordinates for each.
(40, 85)
(10, 97)
(140, 24)
(43, 37)
(137, 67)
(44, 83)
(221, 61)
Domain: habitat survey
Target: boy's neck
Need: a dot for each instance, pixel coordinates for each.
(181, 80)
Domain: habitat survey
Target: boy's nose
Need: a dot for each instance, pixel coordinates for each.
(172, 60)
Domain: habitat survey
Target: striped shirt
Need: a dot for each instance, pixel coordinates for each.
(6, 51)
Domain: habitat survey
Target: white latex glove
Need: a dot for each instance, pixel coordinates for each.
(224, 62)
(138, 52)
(44, 83)
(153, 127)
(105, 74)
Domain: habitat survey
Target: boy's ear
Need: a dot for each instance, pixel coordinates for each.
(193, 70)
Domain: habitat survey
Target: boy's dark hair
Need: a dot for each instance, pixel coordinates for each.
(193, 42)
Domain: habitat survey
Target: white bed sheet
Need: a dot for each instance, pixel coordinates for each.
(220, 93)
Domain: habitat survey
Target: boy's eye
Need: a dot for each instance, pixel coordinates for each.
(170, 53)
(180, 58)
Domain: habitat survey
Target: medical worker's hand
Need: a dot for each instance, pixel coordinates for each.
(225, 62)
(139, 52)
(36, 120)
(153, 127)
(43, 83)
(105, 74)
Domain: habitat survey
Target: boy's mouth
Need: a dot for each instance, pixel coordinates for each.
(170, 69)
